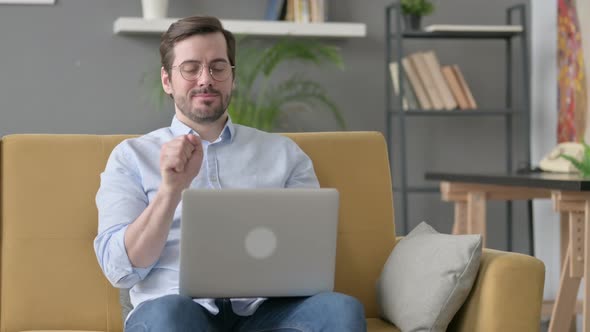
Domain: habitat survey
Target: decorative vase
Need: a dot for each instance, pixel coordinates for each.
(154, 8)
(412, 22)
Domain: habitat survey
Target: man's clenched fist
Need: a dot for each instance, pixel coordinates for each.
(180, 162)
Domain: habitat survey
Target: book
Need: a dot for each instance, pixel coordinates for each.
(427, 81)
(275, 9)
(455, 87)
(409, 93)
(300, 9)
(472, 28)
(409, 98)
(290, 13)
(317, 11)
(419, 90)
(395, 82)
(464, 87)
(297, 10)
(304, 12)
(433, 64)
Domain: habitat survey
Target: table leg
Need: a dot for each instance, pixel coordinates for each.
(576, 243)
(460, 224)
(586, 310)
(566, 298)
(476, 214)
(564, 219)
(564, 228)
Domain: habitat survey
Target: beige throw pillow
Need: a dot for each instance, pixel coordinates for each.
(427, 277)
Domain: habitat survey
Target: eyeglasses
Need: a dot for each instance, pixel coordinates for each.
(191, 70)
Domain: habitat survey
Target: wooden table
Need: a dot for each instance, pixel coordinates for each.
(571, 197)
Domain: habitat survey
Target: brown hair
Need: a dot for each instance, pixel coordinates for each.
(190, 26)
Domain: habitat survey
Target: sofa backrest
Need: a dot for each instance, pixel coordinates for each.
(50, 278)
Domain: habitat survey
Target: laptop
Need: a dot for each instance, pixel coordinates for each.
(238, 243)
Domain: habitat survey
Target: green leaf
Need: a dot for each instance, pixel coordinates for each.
(583, 168)
(586, 155)
(417, 7)
(298, 89)
(256, 64)
(151, 81)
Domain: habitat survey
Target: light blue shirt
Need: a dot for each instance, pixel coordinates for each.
(242, 157)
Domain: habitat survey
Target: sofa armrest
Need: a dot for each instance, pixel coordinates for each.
(506, 296)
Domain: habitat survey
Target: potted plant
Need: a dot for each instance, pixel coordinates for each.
(256, 101)
(583, 164)
(413, 10)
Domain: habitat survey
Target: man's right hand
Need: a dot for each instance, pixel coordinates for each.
(180, 162)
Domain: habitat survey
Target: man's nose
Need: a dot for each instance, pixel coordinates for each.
(205, 78)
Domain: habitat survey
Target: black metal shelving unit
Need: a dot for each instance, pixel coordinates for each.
(395, 38)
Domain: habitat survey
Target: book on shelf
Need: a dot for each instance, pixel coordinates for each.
(429, 85)
(317, 10)
(409, 93)
(455, 87)
(472, 28)
(275, 10)
(416, 84)
(289, 13)
(395, 82)
(409, 99)
(305, 11)
(448, 101)
(302, 12)
(427, 80)
(464, 87)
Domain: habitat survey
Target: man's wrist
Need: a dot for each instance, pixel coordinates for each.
(171, 195)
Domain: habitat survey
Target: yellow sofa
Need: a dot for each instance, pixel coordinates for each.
(50, 279)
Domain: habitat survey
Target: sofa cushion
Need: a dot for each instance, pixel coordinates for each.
(125, 302)
(379, 325)
(427, 277)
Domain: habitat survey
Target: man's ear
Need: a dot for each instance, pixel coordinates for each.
(166, 83)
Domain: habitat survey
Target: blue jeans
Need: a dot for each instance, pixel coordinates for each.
(322, 312)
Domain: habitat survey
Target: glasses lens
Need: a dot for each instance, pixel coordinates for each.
(220, 71)
(190, 70)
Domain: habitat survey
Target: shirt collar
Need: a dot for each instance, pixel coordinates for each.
(179, 128)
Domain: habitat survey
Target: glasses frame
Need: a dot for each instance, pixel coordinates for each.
(201, 70)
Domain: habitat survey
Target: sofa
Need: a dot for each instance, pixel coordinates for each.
(50, 279)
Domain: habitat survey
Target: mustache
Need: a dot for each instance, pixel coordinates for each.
(203, 90)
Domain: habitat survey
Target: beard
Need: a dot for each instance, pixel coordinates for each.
(206, 112)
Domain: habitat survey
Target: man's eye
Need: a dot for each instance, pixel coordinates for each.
(218, 68)
(191, 68)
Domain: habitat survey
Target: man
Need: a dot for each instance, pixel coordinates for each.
(138, 201)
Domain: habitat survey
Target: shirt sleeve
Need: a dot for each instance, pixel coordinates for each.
(303, 173)
(120, 200)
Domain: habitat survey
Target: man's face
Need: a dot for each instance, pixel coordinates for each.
(205, 99)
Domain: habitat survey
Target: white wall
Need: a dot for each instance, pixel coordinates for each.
(544, 130)
(544, 124)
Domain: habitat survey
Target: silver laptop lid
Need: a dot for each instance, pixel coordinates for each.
(258, 242)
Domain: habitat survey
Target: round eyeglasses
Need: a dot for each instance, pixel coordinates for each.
(191, 70)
